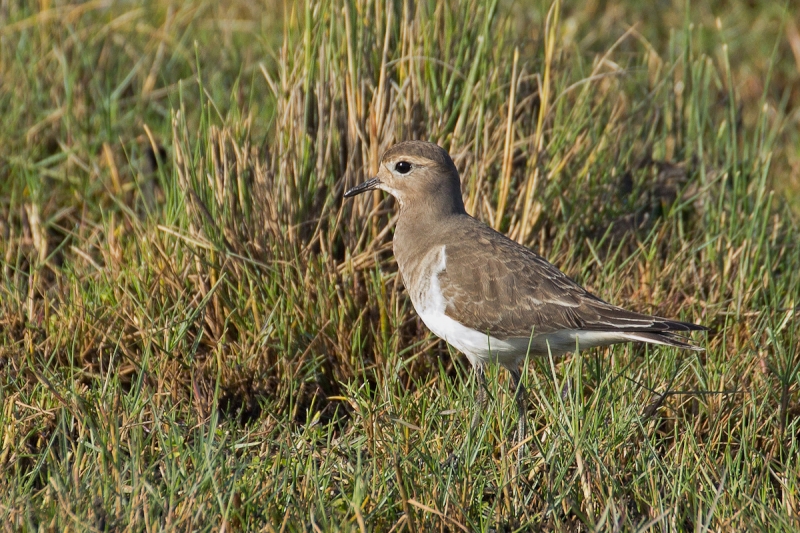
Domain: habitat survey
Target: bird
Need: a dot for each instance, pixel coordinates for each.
(488, 296)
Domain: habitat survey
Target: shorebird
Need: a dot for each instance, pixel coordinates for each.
(483, 293)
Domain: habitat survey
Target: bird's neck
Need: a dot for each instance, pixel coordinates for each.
(432, 207)
(423, 226)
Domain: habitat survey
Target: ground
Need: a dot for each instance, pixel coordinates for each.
(198, 333)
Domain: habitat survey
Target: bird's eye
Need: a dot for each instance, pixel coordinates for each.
(403, 167)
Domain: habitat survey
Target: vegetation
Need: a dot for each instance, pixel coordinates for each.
(197, 333)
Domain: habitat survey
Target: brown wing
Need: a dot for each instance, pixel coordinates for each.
(507, 290)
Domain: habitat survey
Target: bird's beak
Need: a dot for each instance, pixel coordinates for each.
(363, 187)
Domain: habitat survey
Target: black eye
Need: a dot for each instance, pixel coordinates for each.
(403, 167)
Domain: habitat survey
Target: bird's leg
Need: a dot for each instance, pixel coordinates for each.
(480, 399)
(519, 397)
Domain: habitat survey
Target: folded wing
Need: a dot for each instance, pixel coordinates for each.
(513, 292)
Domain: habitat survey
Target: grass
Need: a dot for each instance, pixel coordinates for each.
(197, 333)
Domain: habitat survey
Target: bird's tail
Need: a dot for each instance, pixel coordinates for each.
(663, 337)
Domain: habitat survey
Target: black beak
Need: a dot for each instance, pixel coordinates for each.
(363, 187)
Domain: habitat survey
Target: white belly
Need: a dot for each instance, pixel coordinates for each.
(481, 348)
(477, 346)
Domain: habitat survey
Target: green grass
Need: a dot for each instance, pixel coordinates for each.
(198, 333)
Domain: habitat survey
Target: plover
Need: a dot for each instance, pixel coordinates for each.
(486, 295)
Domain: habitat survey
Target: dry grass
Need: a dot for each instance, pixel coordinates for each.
(196, 333)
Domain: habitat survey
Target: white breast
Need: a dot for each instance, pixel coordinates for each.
(480, 348)
(477, 346)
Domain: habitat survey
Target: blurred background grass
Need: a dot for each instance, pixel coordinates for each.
(196, 333)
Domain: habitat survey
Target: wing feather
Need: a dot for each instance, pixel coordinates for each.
(507, 290)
